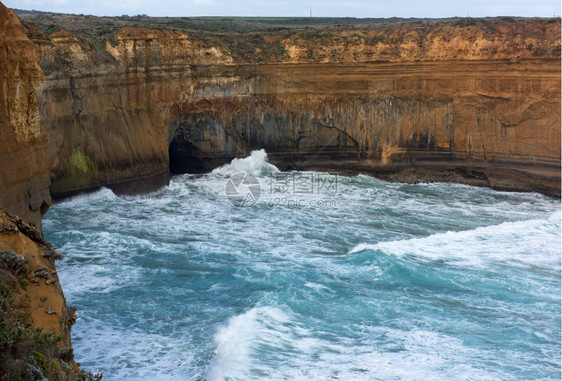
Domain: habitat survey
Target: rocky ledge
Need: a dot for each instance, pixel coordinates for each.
(34, 318)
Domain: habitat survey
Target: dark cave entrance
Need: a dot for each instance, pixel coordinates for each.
(200, 143)
(184, 158)
(184, 152)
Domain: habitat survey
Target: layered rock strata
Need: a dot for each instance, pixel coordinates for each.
(24, 157)
(34, 319)
(474, 102)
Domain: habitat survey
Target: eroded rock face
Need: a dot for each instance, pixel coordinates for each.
(475, 103)
(488, 123)
(37, 319)
(27, 257)
(108, 124)
(24, 158)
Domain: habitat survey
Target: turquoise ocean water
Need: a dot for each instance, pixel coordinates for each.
(323, 278)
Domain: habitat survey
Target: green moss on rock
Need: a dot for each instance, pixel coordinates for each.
(81, 163)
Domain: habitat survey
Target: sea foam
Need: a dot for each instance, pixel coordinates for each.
(236, 342)
(182, 285)
(256, 164)
(531, 242)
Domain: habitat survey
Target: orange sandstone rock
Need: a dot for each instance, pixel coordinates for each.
(475, 102)
(24, 159)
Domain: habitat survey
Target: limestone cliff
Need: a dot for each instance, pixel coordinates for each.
(34, 319)
(474, 101)
(24, 172)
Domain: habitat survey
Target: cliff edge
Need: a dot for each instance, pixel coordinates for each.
(24, 173)
(474, 101)
(34, 319)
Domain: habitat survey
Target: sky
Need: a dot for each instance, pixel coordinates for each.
(296, 8)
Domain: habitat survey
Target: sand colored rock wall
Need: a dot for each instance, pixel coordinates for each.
(27, 261)
(477, 103)
(36, 282)
(24, 169)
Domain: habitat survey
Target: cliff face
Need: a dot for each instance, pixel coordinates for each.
(24, 173)
(473, 101)
(35, 322)
(108, 118)
(488, 123)
(27, 266)
(34, 319)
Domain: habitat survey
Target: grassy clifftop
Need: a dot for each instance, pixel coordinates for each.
(297, 40)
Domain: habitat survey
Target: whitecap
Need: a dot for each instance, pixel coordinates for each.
(531, 242)
(256, 164)
(83, 198)
(317, 287)
(237, 344)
